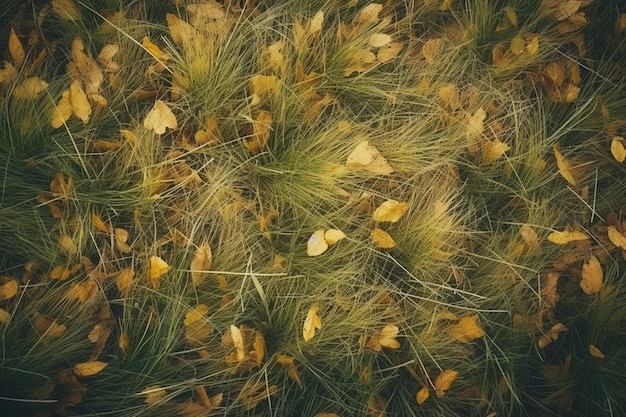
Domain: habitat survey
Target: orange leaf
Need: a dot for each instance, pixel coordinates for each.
(99, 224)
(567, 236)
(552, 335)
(595, 352)
(153, 393)
(47, 327)
(311, 323)
(16, 50)
(124, 280)
(422, 395)
(8, 289)
(385, 338)
(444, 381)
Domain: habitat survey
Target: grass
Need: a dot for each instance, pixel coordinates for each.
(162, 232)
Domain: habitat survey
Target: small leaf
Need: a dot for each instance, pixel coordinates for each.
(616, 238)
(563, 164)
(494, 150)
(551, 335)
(99, 224)
(422, 395)
(591, 281)
(158, 268)
(316, 245)
(466, 330)
(9, 289)
(595, 352)
(153, 393)
(567, 236)
(5, 316)
(16, 50)
(60, 187)
(390, 211)
(124, 280)
(201, 263)
(368, 158)
(160, 118)
(382, 239)
(444, 382)
(153, 49)
(121, 236)
(475, 128)
(196, 314)
(389, 51)
(237, 338)
(66, 9)
(512, 15)
(311, 323)
(89, 368)
(379, 39)
(79, 102)
(332, 236)
(290, 367)
(47, 327)
(385, 338)
(30, 88)
(618, 150)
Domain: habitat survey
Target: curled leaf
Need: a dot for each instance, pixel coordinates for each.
(316, 245)
(390, 211)
(311, 323)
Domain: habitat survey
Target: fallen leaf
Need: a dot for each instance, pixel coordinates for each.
(616, 238)
(591, 281)
(180, 30)
(385, 338)
(551, 335)
(382, 239)
(311, 323)
(261, 128)
(82, 291)
(124, 280)
(618, 149)
(289, 365)
(315, 24)
(85, 369)
(563, 164)
(368, 15)
(78, 100)
(567, 236)
(262, 86)
(105, 57)
(196, 314)
(8, 289)
(66, 9)
(29, 89)
(444, 381)
(99, 224)
(422, 395)
(379, 39)
(16, 50)
(466, 330)
(153, 393)
(158, 267)
(153, 49)
(389, 51)
(316, 245)
(494, 150)
(47, 327)
(332, 236)
(201, 263)
(368, 158)
(361, 61)
(512, 15)
(5, 316)
(431, 49)
(475, 128)
(160, 118)
(390, 211)
(124, 342)
(60, 187)
(121, 236)
(595, 352)
(449, 96)
(237, 338)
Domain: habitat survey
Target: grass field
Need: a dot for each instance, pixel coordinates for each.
(313, 208)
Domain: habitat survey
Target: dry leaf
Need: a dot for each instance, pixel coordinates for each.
(388, 52)
(475, 128)
(316, 245)
(180, 30)
(466, 330)
(591, 281)
(449, 96)
(595, 352)
(66, 9)
(153, 49)
(563, 164)
(201, 263)
(494, 150)
(153, 393)
(431, 49)
(78, 100)
(552, 335)
(29, 89)
(290, 367)
(89, 368)
(121, 236)
(368, 15)
(99, 224)
(385, 338)
(261, 127)
(618, 149)
(616, 238)
(262, 86)
(196, 314)
(124, 342)
(390, 211)
(361, 61)
(444, 381)
(105, 57)
(332, 236)
(315, 24)
(8, 289)
(237, 338)
(368, 158)
(311, 323)
(512, 15)
(567, 236)
(59, 187)
(160, 118)
(82, 291)
(62, 111)
(16, 50)
(422, 395)
(379, 39)
(5, 316)
(158, 267)
(382, 239)
(530, 237)
(47, 327)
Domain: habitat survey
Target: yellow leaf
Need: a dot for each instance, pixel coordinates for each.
(552, 335)
(59, 187)
(617, 148)
(180, 30)
(153, 393)
(369, 14)
(66, 9)
(79, 102)
(382, 239)
(237, 338)
(107, 145)
(290, 367)
(124, 342)
(449, 96)
(82, 291)
(47, 327)
(431, 49)
(466, 330)
(160, 118)
(311, 323)
(259, 348)
(316, 22)
(390, 211)
(530, 237)
(262, 86)
(361, 61)
(379, 39)
(385, 338)
(29, 89)
(89, 368)
(8, 289)
(99, 224)
(5, 316)
(389, 51)
(368, 158)
(153, 49)
(567, 236)
(533, 45)
(422, 395)
(196, 314)
(595, 352)
(201, 263)
(332, 236)
(494, 150)
(105, 57)
(316, 245)
(59, 272)
(261, 127)
(158, 267)
(616, 238)
(121, 236)
(566, 9)
(444, 381)
(475, 128)
(62, 111)
(591, 281)
(517, 45)
(16, 50)
(512, 15)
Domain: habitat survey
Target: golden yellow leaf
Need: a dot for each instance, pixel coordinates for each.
(153, 393)
(289, 365)
(160, 118)
(533, 45)
(368, 158)
(390, 211)
(494, 150)
(124, 342)
(153, 49)
(368, 15)
(107, 145)
(82, 291)
(518, 45)
(16, 50)
(311, 323)
(551, 335)
(105, 57)
(59, 272)
(385, 338)
(60, 187)
(512, 15)
(89, 368)
(316, 245)
(78, 100)
(62, 111)
(595, 352)
(29, 89)
(616, 238)
(431, 48)
(99, 224)
(567, 236)
(66, 9)
(201, 263)
(180, 30)
(121, 236)
(158, 268)
(389, 51)
(262, 86)
(382, 239)
(475, 128)
(444, 382)
(196, 314)
(5, 316)
(591, 281)
(237, 338)
(361, 61)
(261, 128)
(466, 330)
(618, 149)
(332, 236)
(449, 96)
(259, 348)
(422, 395)
(9, 289)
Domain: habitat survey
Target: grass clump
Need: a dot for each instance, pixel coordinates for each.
(312, 209)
